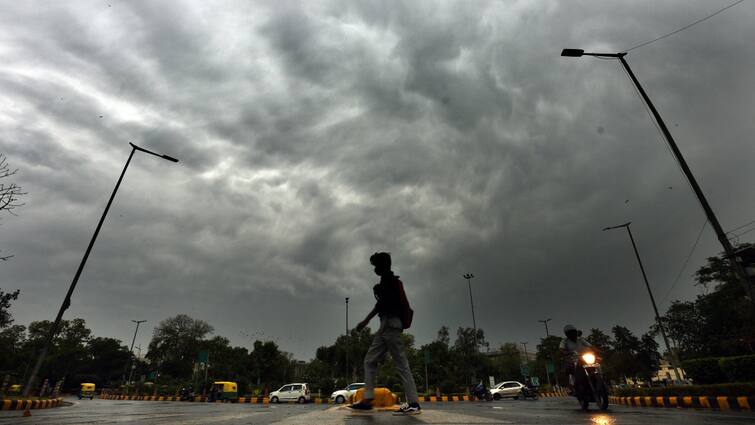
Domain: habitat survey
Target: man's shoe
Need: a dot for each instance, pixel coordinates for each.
(409, 409)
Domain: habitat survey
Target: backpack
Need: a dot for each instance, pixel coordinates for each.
(407, 314)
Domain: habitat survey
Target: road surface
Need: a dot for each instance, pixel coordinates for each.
(543, 411)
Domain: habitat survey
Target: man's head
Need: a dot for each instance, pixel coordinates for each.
(571, 332)
(382, 262)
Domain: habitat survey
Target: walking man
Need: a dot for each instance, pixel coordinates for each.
(395, 315)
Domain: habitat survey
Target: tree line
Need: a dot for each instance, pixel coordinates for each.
(717, 323)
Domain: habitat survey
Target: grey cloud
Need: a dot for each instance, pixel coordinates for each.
(313, 134)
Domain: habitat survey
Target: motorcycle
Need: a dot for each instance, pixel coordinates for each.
(530, 392)
(187, 394)
(588, 382)
(481, 393)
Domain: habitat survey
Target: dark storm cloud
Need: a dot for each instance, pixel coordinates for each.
(313, 134)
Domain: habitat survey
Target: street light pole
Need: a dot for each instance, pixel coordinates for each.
(674, 361)
(712, 219)
(468, 277)
(67, 300)
(547, 335)
(348, 343)
(131, 350)
(545, 322)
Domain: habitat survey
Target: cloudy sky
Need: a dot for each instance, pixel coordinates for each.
(311, 134)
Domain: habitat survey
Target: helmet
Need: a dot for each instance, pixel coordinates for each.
(570, 328)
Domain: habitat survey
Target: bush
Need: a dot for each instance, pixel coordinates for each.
(733, 390)
(704, 371)
(738, 369)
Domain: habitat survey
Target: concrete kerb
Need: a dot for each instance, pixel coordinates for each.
(6, 404)
(695, 402)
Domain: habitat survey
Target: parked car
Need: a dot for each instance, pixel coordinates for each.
(342, 396)
(506, 389)
(298, 392)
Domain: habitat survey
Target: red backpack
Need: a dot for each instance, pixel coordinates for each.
(407, 314)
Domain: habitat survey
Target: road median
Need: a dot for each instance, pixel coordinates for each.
(26, 404)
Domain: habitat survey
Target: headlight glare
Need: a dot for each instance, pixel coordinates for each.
(589, 358)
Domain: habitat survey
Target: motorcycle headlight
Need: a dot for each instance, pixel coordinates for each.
(589, 358)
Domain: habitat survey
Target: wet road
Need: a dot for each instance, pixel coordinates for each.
(544, 411)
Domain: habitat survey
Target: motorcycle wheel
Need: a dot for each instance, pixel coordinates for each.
(488, 397)
(584, 404)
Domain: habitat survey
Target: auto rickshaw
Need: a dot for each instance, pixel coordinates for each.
(87, 390)
(224, 390)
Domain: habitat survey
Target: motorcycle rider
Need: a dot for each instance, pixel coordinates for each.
(571, 348)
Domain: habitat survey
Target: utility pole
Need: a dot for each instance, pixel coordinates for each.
(468, 277)
(131, 351)
(674, 360)
(67, 300)
(731, 255)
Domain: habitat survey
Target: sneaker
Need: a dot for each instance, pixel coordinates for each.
(361, 406)
(409, 409)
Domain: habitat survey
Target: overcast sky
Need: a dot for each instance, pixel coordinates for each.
(311, 134)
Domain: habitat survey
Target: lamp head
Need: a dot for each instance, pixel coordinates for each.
(572, 53)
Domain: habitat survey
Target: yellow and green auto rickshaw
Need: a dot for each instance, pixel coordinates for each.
(224, 390)
(87, 390)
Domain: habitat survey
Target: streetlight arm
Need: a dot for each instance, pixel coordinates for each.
(166, 157)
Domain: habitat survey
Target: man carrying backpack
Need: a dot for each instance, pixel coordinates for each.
(395, 315)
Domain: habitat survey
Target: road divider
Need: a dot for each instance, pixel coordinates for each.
(695, 402)
(6, 404)
(315, 400)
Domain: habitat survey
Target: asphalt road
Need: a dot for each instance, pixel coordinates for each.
(543, 411)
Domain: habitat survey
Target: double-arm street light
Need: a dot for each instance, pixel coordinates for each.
(545, 322)
(672, 354)
(131, 352)
(712, 219)
(468, 277)
(67, 300)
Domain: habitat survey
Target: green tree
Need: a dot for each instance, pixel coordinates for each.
(6, 319)
(718, 323)
(106, 360)
(268, 365)
(175, 344)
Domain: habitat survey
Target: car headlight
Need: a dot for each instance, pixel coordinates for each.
(589, 358)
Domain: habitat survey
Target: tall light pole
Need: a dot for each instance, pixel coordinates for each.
(545, 322)
(67, 299)
(712, 219)
(468, 277)
(547, 335)
(674, 361)
(131, 350)
(348, 343)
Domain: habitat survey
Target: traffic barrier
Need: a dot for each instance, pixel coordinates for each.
(695, 402)
(6, 404)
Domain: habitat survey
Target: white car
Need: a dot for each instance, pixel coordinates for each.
(298, 392)
(507, 389)
(341, 396)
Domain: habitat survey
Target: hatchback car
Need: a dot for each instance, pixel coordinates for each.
(341, 396)
(506, 389)
(298, 392)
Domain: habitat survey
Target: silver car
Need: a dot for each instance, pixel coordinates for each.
(512, 389)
